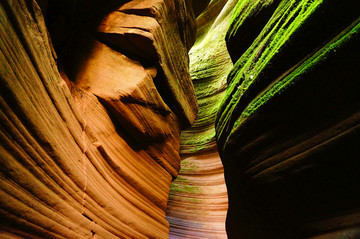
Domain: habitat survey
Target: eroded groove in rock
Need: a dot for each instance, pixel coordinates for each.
(288, 127)
(90, 153)
(150, 31)
(198, 198)
(90, 125)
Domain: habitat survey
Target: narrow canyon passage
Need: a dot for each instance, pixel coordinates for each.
(198, 202)
(176, 119)
(287, 126)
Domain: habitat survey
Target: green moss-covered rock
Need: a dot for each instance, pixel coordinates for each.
(246, 23)
(210, 63)
(295, 31)
(288, 127)
(198, 200)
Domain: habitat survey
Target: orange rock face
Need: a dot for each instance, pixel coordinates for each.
(92, 153)
(149, 31)
(198, 198)
(101, 136)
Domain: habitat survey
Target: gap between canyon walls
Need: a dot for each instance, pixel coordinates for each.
(94, 97)
(287, 128)
(198, 201)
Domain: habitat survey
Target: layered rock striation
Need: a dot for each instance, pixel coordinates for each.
(96, 100)
(198, 198)
(288, 128)
(90, 151)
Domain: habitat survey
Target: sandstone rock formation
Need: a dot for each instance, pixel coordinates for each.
(198, 200)
(97, 99)
(91, 154)
(288, 128)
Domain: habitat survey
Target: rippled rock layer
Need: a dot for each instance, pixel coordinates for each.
(97, 99)
(92, 153)
(288, 128)
(198, 197)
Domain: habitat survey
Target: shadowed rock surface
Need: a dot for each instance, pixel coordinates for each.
(288, 128)
(120, 119)
(92, 153)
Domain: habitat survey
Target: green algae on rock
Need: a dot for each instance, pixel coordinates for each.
(198, 198)
(209, 65)
(278, 87)
(289, 125)
(246, 23)
(282, 43)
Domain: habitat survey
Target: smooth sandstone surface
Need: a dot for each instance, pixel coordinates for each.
(90, 153)
(198, 198)
(131, 119)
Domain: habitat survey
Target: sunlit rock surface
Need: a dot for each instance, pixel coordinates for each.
(198, 198)
(96, 97)
(149, 31)
(288, 128)
(91, 153)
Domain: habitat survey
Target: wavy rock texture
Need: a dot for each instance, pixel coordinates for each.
(288, 128)
(198, 199)
(148, 30)
(90, 150)
(91, 154)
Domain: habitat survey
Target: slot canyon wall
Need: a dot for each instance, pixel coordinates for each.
(288, 129)
(90, 125)
(166, 118)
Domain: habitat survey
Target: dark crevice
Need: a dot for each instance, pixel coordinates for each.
(87, 217)
(133, 46)
(297, 50)
(146, 12)
(122, 124)
(250, 29)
